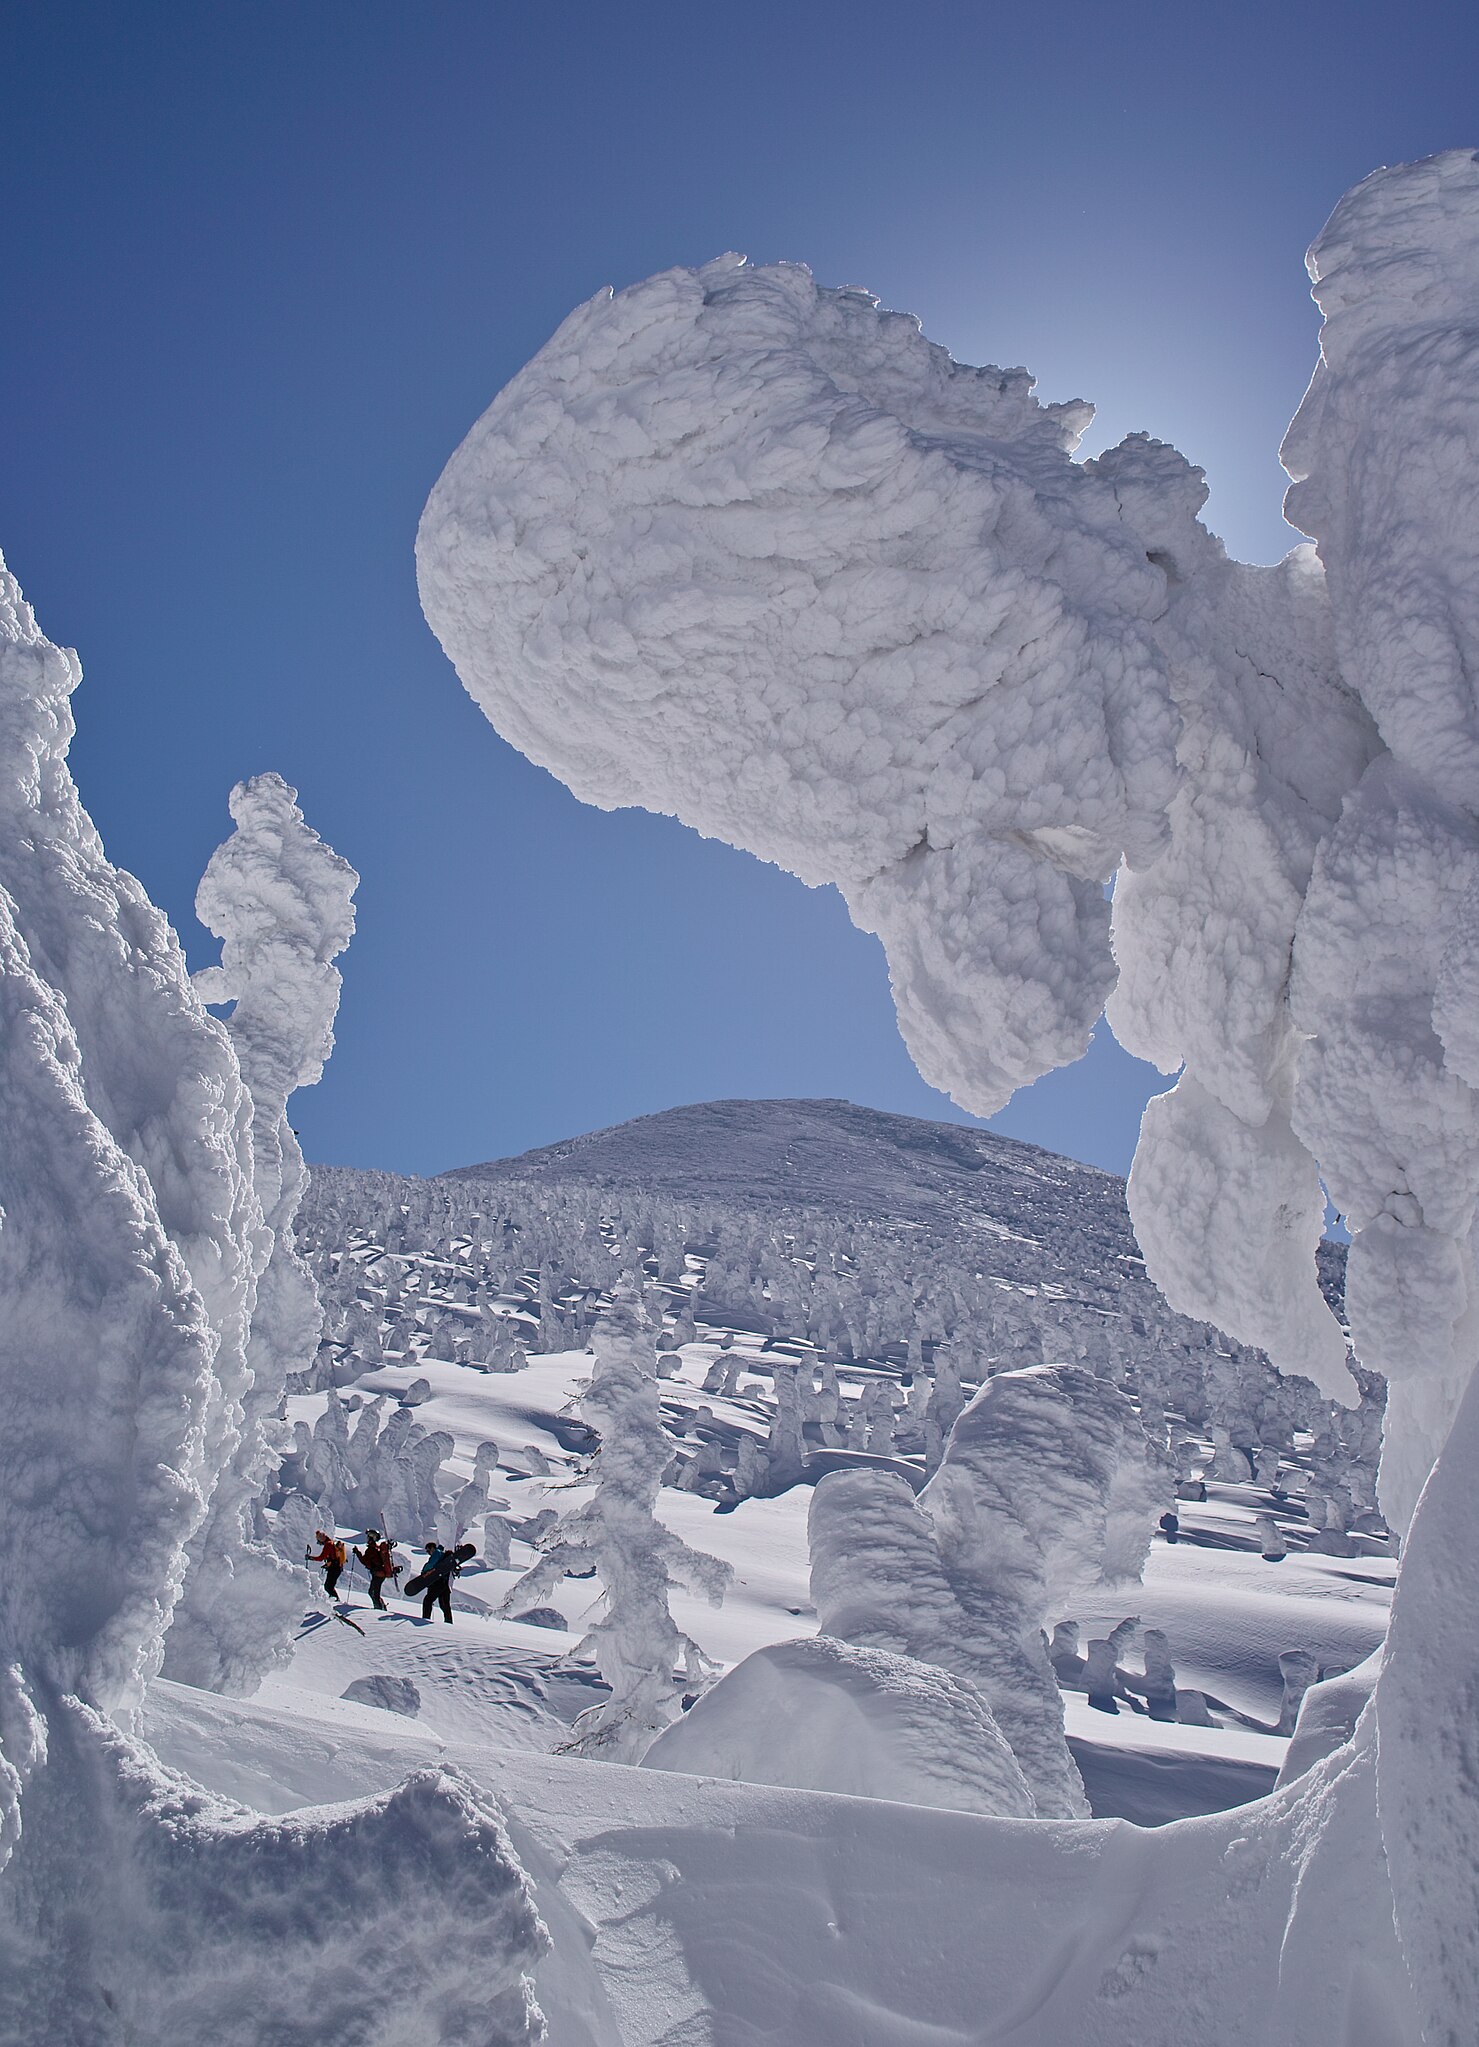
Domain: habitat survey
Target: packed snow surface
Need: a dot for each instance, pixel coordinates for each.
(827, 1715)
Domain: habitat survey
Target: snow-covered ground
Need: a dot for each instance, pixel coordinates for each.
(713, 1910)
(501, 1684)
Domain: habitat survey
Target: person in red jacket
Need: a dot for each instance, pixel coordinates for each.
(333, 1556)
(378, 1558)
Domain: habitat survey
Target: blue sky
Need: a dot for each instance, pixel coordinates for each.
(264, 265)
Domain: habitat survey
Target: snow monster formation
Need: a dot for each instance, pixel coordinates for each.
(1048, 1489)
(132, 1244)
(282, 904)
(636, 1645)
(756, 553)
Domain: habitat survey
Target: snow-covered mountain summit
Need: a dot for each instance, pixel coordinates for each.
(823, 1154)
(1067, 1221)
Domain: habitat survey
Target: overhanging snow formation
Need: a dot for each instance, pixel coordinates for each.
(755, 553)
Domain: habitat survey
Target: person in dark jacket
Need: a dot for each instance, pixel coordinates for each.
(437, 1573)
(378, 1558)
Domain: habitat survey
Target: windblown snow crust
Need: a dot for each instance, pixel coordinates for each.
(758, 553)
(149, 1909)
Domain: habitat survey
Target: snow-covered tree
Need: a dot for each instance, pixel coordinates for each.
(282, 904)
(1043, 1492)
(636, 1644)
(129, 1249)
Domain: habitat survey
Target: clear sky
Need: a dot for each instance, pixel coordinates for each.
(263, 265)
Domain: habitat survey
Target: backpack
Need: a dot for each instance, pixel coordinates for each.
(341, 1554)
(444, 1565)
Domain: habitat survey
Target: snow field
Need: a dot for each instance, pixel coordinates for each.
(1228, 1615)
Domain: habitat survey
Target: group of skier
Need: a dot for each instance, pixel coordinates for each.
(433, 1581)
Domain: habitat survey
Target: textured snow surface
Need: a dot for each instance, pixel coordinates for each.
(1229, 1215)
(759, 554)
(1385, 454)
(1427, 1742)
(124, 1169)
(141, 1907)
(826, 1715)
(739, 1911)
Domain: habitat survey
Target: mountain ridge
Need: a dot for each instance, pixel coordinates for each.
(806, 1151)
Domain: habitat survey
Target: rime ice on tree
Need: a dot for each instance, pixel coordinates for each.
(739, 548)
(130, 1244)
(635, 1643)
(282, 904)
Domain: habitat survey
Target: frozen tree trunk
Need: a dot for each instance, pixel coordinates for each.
(1101, 1677)
(786, 1449)
(1160, 1676)
(1271, 1538)
(1069, 1665)
(750, 1469)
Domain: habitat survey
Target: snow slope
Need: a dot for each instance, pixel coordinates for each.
(684, 1908)
(1227, 1614)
